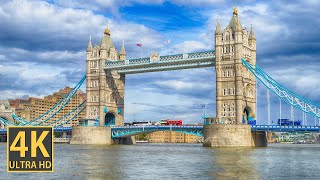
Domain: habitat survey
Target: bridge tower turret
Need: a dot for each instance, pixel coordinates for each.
(105, 90)
(236, 87)
(218, 53)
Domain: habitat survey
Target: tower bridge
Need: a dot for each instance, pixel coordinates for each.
(234, 59)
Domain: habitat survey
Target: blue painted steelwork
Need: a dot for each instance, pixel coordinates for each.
(275, 128)
(123, 131)
(62, 129)
(54, 110)
(56, 129)
(5, 122)
(284, 93)
(72, 117)
(163, 63)
(68, 117)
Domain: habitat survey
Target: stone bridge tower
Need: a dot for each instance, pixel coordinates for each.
(236, 86)
(105, 90)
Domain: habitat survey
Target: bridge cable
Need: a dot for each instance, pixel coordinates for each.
(65, 100)
(281, 91)
(65, 116)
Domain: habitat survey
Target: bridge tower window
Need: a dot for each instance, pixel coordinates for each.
(225, 92)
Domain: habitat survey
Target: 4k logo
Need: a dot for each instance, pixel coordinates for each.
(30, 149)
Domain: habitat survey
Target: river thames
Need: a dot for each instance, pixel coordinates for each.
(177, 161)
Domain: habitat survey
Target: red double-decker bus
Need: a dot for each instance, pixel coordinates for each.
(174, 122)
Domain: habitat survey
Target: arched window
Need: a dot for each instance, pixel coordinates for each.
(228, 74)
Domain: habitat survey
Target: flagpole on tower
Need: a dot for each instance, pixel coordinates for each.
(140, 45)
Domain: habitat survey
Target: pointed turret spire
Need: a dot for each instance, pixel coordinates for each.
(252, 36)
(89, 44)
(235, 24)
(238, 25)
(218, 28)
(123, 50)
(103, 42)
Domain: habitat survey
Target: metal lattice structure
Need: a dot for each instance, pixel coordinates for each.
(68, 117)
(53, 111)
(282, 92)
(123, 131)
(163, 63)
(5, 122)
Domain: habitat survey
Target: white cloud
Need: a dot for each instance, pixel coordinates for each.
(62, 36)
(152, 106)
(186, 47)
(176, 85)
(303, 81)
(183, 85)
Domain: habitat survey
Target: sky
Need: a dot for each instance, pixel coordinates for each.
(43, 49)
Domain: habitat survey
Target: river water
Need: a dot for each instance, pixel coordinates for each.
(177, 161)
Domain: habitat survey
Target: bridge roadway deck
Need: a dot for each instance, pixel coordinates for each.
(122, 131)
(162, 63)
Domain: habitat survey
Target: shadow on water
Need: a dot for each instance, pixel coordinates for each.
(234, 163)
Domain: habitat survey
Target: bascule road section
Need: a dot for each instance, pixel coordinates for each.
(162, 63)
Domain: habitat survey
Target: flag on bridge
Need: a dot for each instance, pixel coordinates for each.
(140, 45)
(167, 41)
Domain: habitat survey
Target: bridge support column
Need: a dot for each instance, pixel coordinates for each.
(91, 135)
(130, 140)
(260, 138)
(231, 135)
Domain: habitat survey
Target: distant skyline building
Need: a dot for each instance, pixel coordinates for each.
(32, 107)
(172, 137)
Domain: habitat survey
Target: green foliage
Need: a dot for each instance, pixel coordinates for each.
(58, 134)
(143, 137)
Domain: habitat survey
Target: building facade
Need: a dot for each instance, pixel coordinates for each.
(235, 85)
(105, 90)
(172, 137)
(32, 108)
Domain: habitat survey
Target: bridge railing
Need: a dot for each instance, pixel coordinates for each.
(168, 58)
